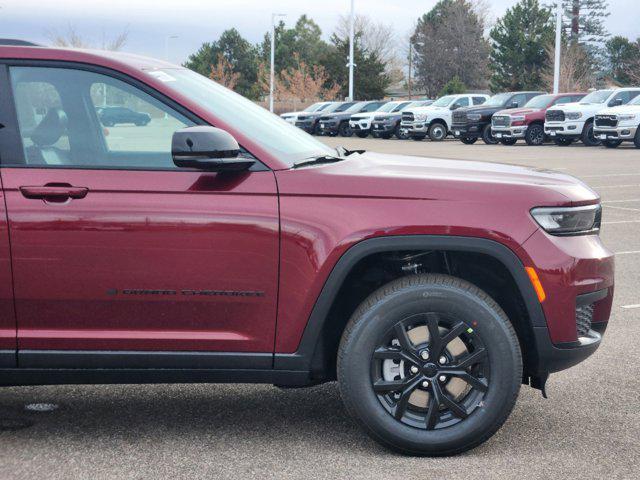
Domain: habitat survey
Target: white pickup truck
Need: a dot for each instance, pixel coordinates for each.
(435, 119)
(570, 122)
(619, 124)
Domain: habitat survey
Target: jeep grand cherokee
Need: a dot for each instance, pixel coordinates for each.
(218, 243)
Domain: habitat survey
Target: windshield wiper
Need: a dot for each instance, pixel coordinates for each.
(318, 160)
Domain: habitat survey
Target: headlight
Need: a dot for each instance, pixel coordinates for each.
(568, 220)
(474, 117)
(574, 115)
(626, 117)
(517, 118)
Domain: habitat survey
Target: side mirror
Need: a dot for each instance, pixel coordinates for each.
(514, 105)
(616, 102)
(207, 148)
(454, 107)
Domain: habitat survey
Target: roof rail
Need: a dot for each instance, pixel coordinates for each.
(18, 43)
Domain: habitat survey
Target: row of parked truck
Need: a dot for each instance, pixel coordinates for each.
(603, 117)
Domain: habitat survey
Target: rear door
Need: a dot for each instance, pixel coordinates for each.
(116, 249)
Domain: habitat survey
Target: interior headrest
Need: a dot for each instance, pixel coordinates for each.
(50, 129)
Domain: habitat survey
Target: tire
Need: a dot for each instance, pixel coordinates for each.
(508, 141)
(487, 136)
(316, 129)
(385, 136)
(563, 142)
(418, 138)
(534, 135)
(636, 139)
(371, 338)
(344, 130)
(588, 139)
(437, 132)
(612, 143)
(398, 133)
(362, 134)
(468, 140)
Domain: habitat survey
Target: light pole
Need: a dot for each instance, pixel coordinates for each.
(352, 22)
(273, 57)
(556, 66)
(166, 46)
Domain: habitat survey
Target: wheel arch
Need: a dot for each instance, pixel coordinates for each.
(314, 353)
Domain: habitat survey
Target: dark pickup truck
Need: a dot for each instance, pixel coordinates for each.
(469, 124)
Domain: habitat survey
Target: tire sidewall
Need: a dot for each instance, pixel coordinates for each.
(487, 137)
(587, 136)
(437, 132)
(504, 360)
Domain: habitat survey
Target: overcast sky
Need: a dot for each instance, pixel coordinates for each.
(195, 21)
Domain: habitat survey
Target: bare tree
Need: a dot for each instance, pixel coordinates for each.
(576, 72)
(71, 38)
(375, 38)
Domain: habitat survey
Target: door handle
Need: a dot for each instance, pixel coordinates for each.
(57, 192)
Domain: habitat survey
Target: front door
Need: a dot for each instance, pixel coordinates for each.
(116, 249)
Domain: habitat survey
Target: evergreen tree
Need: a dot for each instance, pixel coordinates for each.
(370, 79)
(453, 87)
(623, 59)
(518, 41)
(449, 41)
(585, 20)
(304, 39)
(241, 55)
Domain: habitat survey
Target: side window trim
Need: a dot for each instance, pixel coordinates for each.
(8, 111)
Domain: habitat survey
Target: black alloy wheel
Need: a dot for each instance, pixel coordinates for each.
(588, 137)
(535, 135)
(431, 384)
(487, 136)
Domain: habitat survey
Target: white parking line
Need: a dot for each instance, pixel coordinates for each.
(623, 208)
(628, 185)
(629, 307)
(615, 222)
(622, 201)
(611, 175)
(629, 252)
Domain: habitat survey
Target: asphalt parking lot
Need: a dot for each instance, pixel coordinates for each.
(588, 428)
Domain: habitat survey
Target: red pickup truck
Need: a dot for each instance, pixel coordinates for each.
(508, 126)
(218, 243)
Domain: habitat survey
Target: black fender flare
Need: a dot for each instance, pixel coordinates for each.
(304, 357)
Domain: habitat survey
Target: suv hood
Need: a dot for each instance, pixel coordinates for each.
(365, 115)
(375, 175)
(427, 109)
(484, 110)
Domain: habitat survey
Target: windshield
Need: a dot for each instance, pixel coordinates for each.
(356, 107)
(387, 107)
(420, 103)
(315, 107)
(541, 101)
(635, 101)
(599, 96)
(281, 139)
(444, 101)
(344, 106)
(497, 100)
(330, 107)
(399, 107)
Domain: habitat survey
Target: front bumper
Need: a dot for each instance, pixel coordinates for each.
(467, 130)
(621, 132)
(382, 128)
(565, 129)
(306, 125)
(576, 273)
(416, 128)
(509, 132)
(329, 128)
(360, 126)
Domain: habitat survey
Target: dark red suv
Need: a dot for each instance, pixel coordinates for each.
(217, 243)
